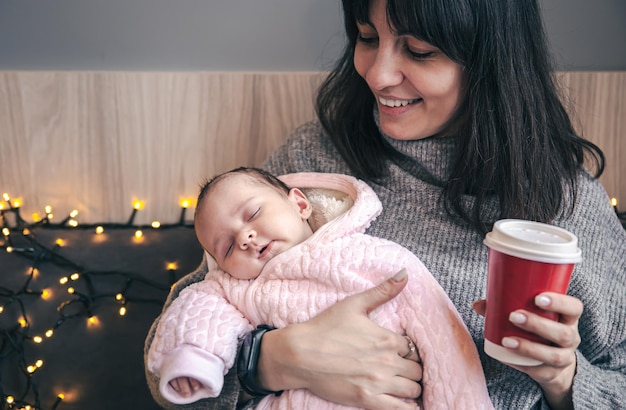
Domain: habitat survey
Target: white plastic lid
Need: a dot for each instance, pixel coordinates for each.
(534, 240)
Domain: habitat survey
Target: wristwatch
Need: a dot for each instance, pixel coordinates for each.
(248, 360)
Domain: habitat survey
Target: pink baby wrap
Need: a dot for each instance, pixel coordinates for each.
(198, 333)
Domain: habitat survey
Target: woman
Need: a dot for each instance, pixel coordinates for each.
(449, 110)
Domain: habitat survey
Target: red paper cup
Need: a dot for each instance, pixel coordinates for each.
(525, 259)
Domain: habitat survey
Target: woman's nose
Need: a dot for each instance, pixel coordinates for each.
(246, 236)
(385, 70)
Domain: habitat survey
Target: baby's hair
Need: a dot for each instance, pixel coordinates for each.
(257, 174)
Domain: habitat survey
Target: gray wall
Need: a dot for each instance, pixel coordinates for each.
(246, 35)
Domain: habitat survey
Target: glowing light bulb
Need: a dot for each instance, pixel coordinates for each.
(184, 203)
(1, 309)
(49, 333)
(138, 234)
(25, 231)
(10, 399)
(74, 213)
(22, 322)
(39, 363)
(99, 230)
(138, 204)
(37, 339)
(172, 266)
(61, 396)
(119, 296)
(17, 203)
(75, 276)
(613, 201)
(45, 294)
(9, 249)
(6, 197)
(156, 224)
(63, 280)
(36, 217)
(73, 223)
(92, 321)
(122, 311)
(31, 369)
(6, 231)
(71, 290)
(47, 209)
(60, 242)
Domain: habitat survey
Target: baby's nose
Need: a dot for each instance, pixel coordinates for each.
(245, 238)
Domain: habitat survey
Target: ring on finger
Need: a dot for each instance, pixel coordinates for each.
(412, 348)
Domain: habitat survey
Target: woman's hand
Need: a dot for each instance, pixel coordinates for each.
(556, 374)
(343, 357)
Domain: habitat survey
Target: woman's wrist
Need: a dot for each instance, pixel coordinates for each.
(276, 351)
(558, 393)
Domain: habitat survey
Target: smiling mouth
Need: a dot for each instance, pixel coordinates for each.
(397, 103)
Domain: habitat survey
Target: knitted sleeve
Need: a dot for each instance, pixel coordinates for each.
(600, 282)
(230, 391)
(196, 337)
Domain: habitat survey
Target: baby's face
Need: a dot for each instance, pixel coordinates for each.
(243, 224)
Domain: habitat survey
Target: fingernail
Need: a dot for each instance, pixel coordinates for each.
(510, 343)
(399, 277)
(516, 317)
(543, 301)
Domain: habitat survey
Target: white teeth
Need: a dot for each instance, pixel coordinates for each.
(395, 103)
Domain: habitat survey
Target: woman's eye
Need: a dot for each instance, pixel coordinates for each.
(367, 38)
(418, 55)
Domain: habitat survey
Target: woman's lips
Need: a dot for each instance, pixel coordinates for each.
(396, 107)
(389, 102)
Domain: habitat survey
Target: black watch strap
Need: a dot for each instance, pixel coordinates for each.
(248, 360)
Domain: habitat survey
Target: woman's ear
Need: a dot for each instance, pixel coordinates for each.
(302, 203)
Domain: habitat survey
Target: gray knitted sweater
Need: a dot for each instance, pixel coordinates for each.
(413, 215)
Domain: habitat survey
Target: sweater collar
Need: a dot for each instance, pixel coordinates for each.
(434, 155)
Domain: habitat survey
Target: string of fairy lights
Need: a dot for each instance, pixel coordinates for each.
(82, 285)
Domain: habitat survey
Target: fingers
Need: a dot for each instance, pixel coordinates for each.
(412, 353)
(185, 386)
(480, 306)
(560, 358)
(412, 371)
(195, 384)
(568, 307)
(392, 402)
(383, 292)
(563, 333)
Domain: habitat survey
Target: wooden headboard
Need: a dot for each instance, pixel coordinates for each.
(97, 141)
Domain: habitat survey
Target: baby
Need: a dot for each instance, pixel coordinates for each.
(272, 263)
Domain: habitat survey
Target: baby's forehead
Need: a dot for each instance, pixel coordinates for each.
(236, 180)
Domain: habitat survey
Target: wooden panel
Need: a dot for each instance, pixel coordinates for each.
(597, 104)
(96, 141)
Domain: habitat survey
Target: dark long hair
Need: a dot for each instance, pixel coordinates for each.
(517, 140)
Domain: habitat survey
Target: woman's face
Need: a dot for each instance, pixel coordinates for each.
(416, 86)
